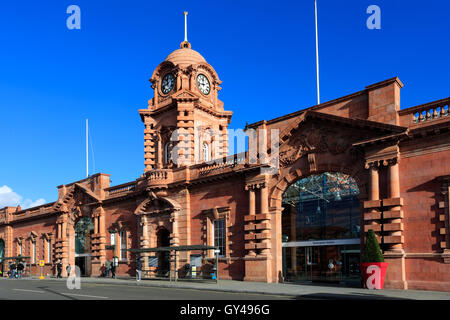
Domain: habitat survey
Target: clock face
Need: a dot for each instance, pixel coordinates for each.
(203, 84)
(167, 83)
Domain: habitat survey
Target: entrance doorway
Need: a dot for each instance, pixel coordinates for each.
(324, 263)
(320, 229)
(163, 240)
(83, 231)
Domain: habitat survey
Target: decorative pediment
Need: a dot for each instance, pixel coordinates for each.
(154, 205)
(74, 197)
(185, 96)
(316, 133)
(32, 236)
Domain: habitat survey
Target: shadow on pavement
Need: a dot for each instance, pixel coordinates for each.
(353, 296)
(57, 293)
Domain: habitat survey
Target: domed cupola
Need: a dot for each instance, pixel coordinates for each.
(185, 56)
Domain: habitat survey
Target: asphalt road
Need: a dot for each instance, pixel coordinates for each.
(55, 290)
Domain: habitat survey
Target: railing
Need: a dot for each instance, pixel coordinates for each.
(157, 175)
(426, 112)
(226, 162)
(121, 189)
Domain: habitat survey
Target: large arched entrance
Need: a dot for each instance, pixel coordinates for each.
(83, 231)
(321, 229)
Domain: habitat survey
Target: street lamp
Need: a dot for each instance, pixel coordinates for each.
(216, 273)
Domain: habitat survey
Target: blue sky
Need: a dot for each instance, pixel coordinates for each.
(53, 78)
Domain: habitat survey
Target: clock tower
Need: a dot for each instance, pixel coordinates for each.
(185, 122)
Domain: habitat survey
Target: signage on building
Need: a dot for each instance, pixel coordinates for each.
(317, 243)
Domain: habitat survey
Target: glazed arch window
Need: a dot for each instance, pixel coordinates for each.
(205, 152)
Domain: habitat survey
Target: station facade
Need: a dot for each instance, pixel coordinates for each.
(336, 170)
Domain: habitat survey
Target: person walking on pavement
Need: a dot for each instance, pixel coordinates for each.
(138, 269)
(13, 270)
(59, 269)
(20, 268)
(68, 269)
(107, 268)
(113, 267)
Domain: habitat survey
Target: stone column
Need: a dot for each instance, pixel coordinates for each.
(265, 219)
(264, 199)
(160, 152)
(251, 212)
(394, 192)
(59, 235)
(96, 224)
(374, 183)
(375, 196)
(144, 242)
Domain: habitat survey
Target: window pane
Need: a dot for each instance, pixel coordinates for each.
(219, 235)
(34, 252)
(123, 245)
(49, 251)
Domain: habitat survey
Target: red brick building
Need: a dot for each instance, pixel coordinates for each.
(397, 160)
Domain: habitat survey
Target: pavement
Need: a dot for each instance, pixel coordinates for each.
(288, 290)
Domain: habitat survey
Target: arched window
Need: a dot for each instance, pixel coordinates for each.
(205, 151)
(167, 155)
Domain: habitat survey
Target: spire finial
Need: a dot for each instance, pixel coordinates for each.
(185, 26)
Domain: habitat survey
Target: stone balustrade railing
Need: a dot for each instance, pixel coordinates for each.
(129, 187)
(158, 175)
(425, 113)
(226, 162)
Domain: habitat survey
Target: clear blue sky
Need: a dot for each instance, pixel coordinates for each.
(53, 78)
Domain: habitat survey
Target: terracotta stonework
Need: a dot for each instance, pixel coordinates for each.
(400, 160)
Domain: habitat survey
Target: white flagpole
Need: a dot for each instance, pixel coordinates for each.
(87, 150)
(317, 55)
(185, 25)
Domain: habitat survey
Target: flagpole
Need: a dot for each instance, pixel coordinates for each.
(185, 25)
(87, 150)
(317, 55)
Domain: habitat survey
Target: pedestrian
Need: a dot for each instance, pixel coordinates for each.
(107, 268)
(12, 268)
(20, 268)
(59, 269)
(68, 269)
(113, 268)
(138, 269)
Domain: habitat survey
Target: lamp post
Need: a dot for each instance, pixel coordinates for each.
(284, 238)
(217, 251)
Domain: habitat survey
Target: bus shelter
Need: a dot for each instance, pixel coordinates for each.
(6, 261)
(202, 273)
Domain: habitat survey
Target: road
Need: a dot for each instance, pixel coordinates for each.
(57, 290)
